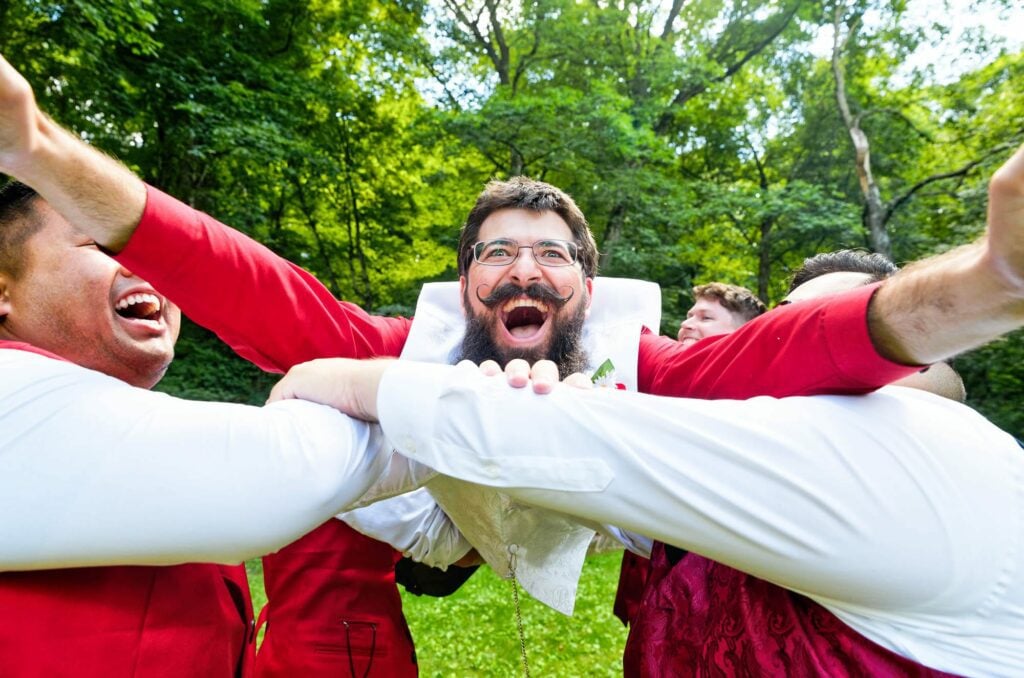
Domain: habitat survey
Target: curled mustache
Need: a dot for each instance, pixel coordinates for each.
(511, 290)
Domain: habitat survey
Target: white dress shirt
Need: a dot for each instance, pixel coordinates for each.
(96, 472)
(901, 512)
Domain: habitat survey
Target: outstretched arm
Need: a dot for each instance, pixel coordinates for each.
(944, 305)
(96, 472)
(857, 341)
(784, 489)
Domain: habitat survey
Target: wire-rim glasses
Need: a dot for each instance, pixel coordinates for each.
(503, 251)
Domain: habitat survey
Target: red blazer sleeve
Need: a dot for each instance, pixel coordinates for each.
(811, 347)
(268, 310)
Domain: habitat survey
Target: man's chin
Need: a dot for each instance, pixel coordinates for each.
(531, 353)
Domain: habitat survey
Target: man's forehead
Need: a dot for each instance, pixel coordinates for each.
(524, 226)
(704, 303)
(830, 283)
(51, 222)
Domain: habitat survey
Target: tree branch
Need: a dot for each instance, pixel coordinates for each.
(686, 93)
(961, 172)
(673, 14)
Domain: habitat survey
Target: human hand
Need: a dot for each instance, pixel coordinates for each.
(542, 375)
(349, 386)
(19, 119)
(1005, 234)
(472, 558)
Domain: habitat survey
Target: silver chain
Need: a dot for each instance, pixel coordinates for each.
(513, 549)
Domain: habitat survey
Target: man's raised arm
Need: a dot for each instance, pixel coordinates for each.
(105, 201)
(941, 306)
(91, 190)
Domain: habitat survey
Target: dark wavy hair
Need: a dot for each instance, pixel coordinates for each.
(527, 194)
(19, 220)
(878, 266)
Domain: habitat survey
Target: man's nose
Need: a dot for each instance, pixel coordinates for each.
(525, 268)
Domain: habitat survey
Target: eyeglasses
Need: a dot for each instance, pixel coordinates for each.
(503, 252)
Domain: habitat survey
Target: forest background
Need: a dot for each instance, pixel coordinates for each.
(704, 139)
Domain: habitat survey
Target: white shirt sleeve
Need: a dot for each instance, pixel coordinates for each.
(612, 538)
(414, 524)
(821, 495)
(93, 471)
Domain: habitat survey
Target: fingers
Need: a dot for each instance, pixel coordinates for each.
(541, 376)
(517, 373)
(579, 380)
(1006, 220)
(18, 114)
(349, 386)
(279, 392)
(544, 376)
(489, 368)
(283, 389)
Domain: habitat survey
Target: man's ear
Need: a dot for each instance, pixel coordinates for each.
(589, 284)
(5, 297)
(463, 283)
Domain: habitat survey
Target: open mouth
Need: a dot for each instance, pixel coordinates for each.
(141, 306)
(524, 318)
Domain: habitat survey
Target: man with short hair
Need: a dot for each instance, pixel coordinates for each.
(72, 437)
(718, 308)
(681, 582)
(60, 295)
(872, 264)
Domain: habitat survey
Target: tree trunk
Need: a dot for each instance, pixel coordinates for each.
(764, 258)
(612, 233)
(874, 210)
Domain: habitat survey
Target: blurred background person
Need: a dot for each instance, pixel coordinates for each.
(718, 308)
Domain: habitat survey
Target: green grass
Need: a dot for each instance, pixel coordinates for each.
(473, 632)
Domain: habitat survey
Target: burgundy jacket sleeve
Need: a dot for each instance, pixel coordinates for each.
(268, 310)
(807, 348)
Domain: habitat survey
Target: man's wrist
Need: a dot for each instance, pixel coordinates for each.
(29, 163)
(90, 189)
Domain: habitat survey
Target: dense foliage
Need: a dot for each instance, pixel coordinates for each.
(705, 140)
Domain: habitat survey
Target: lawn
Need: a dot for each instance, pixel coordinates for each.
(473, 632)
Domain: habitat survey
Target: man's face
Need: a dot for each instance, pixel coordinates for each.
(525, 308)
(706, 318)
(75, 301)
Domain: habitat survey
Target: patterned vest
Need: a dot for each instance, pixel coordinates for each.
(700, 618)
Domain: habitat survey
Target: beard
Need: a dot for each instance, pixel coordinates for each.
(564, 346)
